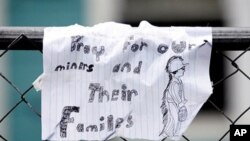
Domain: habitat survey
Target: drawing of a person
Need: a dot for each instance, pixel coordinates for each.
(173, 101)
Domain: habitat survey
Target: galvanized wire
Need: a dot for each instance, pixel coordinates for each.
(33, 46)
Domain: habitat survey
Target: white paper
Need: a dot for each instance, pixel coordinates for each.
(112, 80)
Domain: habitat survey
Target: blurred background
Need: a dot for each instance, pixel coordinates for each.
(23, 67)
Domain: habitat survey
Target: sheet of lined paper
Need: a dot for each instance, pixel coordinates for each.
(112, 80)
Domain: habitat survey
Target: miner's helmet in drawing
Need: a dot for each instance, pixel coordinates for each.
(174, 64)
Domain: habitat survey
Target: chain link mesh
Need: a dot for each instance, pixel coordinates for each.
(23, 94)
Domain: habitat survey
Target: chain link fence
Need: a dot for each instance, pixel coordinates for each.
(30, 39)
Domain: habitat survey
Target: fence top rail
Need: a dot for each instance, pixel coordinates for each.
(224, 38)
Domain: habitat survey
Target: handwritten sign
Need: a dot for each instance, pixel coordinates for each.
(115, 80)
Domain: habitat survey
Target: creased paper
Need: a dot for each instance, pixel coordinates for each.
(112, 80)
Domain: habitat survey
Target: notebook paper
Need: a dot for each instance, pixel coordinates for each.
(112, 79)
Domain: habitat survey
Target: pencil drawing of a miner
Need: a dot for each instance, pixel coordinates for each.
(173, 101)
